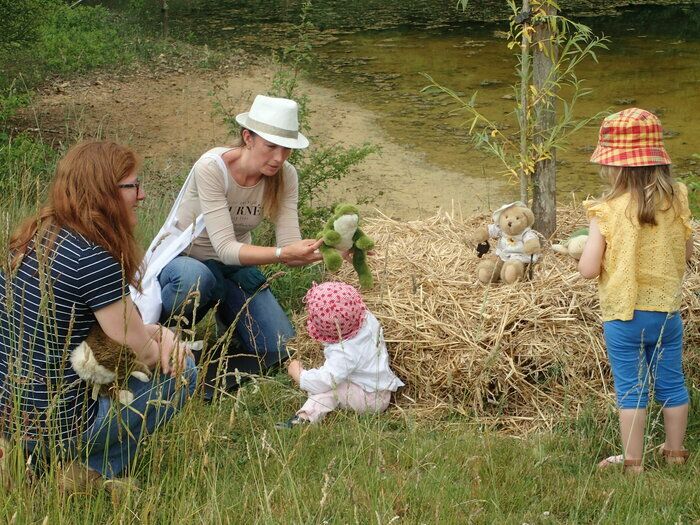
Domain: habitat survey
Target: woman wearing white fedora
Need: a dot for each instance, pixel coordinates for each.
(227, 194)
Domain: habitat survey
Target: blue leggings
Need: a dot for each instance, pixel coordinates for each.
(646, 349)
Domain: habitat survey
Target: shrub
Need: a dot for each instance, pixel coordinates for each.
(20, 23)
(80, 39)
(28, 166)
(10, 101)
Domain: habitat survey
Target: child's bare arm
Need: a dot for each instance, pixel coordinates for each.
(689, 248)
(592, 256)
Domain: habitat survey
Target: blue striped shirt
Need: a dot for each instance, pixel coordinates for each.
(46, 310)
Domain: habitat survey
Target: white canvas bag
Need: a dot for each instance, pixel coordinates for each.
(168, 244)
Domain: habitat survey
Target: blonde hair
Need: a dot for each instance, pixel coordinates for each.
(274, 186)
(652, 189)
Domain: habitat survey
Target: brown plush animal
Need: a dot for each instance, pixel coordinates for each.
(108, 365)
(518, 244)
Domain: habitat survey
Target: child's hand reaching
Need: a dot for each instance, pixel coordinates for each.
(294, 369)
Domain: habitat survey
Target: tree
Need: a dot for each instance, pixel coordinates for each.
(164, 13)
(554, 45)
(544, 180)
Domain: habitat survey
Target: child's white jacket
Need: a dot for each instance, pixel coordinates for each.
(362, 360)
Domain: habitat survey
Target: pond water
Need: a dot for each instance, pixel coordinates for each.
(649, 66)
(374, 55)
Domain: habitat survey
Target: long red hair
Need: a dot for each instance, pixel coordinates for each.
(84, 197)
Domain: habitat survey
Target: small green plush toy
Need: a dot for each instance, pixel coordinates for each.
(574, 244)
(341, 233)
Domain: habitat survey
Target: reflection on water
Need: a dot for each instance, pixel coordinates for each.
(373, 52)
(648, 65)
(198, 16)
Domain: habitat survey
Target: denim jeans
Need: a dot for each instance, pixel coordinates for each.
(647, 348)
(263, 327)
(111, 442)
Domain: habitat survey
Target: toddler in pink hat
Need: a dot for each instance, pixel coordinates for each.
(356, 373)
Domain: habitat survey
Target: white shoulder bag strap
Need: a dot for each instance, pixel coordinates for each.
(166, 245)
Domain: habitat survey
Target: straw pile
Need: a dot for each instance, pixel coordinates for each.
(517, 356)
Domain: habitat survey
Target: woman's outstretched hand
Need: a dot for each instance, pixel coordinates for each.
(302, 252)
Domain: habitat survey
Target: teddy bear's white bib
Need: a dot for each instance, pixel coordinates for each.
(512, 247)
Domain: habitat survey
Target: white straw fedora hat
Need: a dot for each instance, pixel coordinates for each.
(275, 120)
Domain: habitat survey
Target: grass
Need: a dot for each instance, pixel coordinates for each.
(46, 40)
(84, 38)
(226, 463)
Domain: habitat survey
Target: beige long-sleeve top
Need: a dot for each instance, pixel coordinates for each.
(231, 215)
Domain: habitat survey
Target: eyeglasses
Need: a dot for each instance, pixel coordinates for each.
(136, 185)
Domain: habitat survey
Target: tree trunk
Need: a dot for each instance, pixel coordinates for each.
(524, 84)
(544, 195)
(164, 12)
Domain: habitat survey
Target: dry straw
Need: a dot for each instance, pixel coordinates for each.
(515, 356)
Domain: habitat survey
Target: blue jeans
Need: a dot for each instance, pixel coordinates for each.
(646, 349)
(110, 444)
(262, 327)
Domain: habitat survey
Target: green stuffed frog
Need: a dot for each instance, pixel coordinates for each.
(341, 234)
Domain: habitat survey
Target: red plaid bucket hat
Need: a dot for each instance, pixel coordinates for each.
(336, 311)
(631, 137)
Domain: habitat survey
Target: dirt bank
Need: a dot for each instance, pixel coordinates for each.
(169, 118)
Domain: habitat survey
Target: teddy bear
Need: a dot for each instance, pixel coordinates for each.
(342, 233)
(518, 244)
(574, 244)
(108, 365)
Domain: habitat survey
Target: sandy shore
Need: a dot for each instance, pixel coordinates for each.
(169, 118)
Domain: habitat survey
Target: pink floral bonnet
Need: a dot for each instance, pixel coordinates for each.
(336, 311)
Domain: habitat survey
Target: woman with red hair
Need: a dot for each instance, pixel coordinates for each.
(69, 267)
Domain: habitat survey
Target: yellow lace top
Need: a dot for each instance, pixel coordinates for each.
(643, 266)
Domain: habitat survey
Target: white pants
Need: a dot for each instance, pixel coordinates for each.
(345, 395)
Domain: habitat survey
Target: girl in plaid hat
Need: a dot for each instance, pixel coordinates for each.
(640, 239)
(356, 373)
